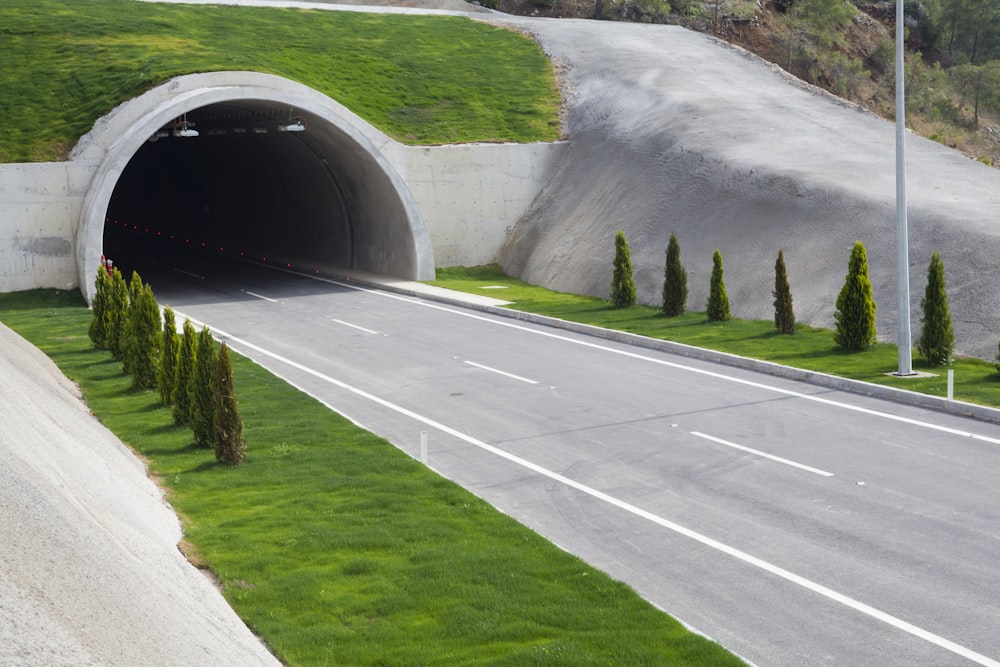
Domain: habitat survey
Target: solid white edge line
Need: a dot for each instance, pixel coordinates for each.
(762, 454)
(504, 373)
(831, 594)
(353, 326)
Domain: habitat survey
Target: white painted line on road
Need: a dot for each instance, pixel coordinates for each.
(672, 364)
(260, 296)
(761, 564)
(188, 273)
(499, 372)
(354, 326)
(762, 454)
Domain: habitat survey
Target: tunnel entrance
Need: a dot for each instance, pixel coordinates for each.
(268, 170)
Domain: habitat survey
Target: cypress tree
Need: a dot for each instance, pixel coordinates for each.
(100, 325)
(622, 282)
(937, 337)
(718, 302)
(675, 289)
(185, 369)
(117, 306)
(784, 317)
(170, 345)
(230, 447)
(855, 313)
(144, 327)
(129, 341)
(200, 389)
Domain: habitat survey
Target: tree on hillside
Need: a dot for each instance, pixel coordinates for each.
(937, 337)
(117, 307)
(170, 345)
(143, 330)
(855, 313)
(100, 324)
(675, 289)
(227, 425)
(717, 308)
(200, 389)
(784, 316)
(185, 369)
(622, 283)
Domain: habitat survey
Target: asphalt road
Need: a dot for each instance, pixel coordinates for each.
(793, 524)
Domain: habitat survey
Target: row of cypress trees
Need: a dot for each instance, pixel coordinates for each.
(191, 377)
(855, 307)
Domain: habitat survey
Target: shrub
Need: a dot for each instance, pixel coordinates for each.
(200, 389)
(718, 302)
(227, 425)
(937, 337)
(675, 289)
(100, 325)
(127, 340)
(185, 369)
(855, 313)
(170, 345)
(784, 316)
(622, 282)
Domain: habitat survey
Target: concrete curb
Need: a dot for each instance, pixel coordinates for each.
(916, 399)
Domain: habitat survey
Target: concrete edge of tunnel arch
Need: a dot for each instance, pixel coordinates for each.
(115, 138)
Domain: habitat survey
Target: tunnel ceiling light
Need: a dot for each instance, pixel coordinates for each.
(295, 126)
(185, 128)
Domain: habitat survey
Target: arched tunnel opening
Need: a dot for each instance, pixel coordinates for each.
(265, 182)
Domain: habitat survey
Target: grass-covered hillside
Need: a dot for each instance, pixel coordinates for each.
(420, 79)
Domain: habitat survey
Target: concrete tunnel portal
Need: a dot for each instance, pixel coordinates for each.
(255, 173)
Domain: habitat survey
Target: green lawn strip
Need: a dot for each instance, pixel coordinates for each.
(337, 548)
(811, 348)
(421, 79)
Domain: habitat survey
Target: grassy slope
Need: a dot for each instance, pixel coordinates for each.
(976, 381)
(337, 548)
(65, 63)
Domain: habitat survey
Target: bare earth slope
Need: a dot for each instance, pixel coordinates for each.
(90, 573)
(672, 130)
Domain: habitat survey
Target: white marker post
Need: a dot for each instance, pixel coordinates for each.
(951, 384)
(423, 447)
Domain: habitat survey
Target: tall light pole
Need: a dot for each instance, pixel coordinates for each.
(903, 259)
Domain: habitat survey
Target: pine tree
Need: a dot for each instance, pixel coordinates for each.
(855, 313)
(622, 282)
(937, 337)
(675, 289)
(784, 317)
(170, 345)
(230, 447)
(144, 332)
(185, 369)
(100, 325)
(117, 307)
(200, 389)
(718, 302)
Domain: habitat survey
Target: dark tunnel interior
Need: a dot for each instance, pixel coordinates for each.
(262, 181)
(241, 185)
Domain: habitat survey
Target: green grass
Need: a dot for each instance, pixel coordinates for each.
(421, 79)
(337, 548)
(811, 348)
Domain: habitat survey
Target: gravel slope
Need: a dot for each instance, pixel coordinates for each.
(672, 130)
(90, 573)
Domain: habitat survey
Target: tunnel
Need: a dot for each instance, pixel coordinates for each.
(268, 171)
